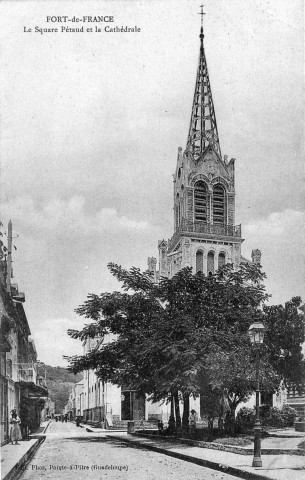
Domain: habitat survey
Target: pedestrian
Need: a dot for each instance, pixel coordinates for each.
(160, 428)
(77, 421)
(66, 417)
(15, 432)
(192, 422)
(142, 426)
(24, 415)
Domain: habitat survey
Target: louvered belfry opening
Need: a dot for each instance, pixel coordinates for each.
(221, 259)
(199, 261)
(200, 202)
(218, 205)
(210, 263)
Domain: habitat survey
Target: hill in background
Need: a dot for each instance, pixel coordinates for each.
(59, 384)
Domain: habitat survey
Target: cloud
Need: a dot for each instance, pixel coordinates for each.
(279, 223)
(280, 237)
(52, 341)
(68, 215)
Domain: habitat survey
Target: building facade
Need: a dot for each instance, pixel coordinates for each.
(21, 386)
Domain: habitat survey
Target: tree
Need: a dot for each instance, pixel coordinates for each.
(231, 376)
(166, 335)
(285, 334)
(188, 335)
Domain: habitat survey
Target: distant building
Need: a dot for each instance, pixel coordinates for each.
(48, 410)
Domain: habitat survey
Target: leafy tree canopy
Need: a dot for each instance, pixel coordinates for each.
(285, 334)
(184, 333)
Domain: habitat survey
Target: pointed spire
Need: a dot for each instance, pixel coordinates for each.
(203, 127)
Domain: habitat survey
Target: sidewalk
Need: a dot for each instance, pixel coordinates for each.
(275, 467)
(15, 457)
(91, 429)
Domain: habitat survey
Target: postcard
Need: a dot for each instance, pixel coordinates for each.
(159, 135)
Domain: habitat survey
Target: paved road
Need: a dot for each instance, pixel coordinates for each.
(71, 453)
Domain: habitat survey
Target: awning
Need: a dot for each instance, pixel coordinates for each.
(33, 389)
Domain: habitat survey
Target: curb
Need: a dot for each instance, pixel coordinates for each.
(100, 430)
(224, 448)
(273, 435)
(198, 461)
(45, 428)
(18, 469)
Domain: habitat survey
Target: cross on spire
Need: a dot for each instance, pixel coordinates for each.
(201, 13)
(203, 127)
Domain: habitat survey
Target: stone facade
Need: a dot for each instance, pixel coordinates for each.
(205, 236)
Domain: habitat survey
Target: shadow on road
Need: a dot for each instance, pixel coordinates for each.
(113, 442)
(121, 444)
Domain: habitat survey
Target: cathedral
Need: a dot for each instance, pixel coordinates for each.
(205, 238)
(205, 235)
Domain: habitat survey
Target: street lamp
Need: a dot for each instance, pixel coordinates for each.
(256, 334)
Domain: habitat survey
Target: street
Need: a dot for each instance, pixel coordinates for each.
(72, 453)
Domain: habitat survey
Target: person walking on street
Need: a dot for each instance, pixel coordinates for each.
(15, 432)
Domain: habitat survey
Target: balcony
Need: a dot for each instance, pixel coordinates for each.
(26, 373)
(208, 229)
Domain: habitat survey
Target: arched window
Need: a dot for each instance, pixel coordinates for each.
(218, 205)
(221, 259)
(200, 202)
(210, 264)
(199, 261)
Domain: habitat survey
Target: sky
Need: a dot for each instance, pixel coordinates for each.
(90, 127)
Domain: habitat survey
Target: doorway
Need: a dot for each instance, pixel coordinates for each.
(132, 405)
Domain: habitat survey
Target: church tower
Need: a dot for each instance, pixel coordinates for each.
(205, 236)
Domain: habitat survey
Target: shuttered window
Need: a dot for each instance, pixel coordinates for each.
(200, 202)
(218, 205)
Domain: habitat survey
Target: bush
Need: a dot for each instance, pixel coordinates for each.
(275, 418)
(245, 418)
(269, 416)
(283, 417)
(289, 415)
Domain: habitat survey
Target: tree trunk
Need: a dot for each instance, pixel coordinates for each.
(177, 410)
(230, 421)
(211, 424)
(171, 420)
(186, 413)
